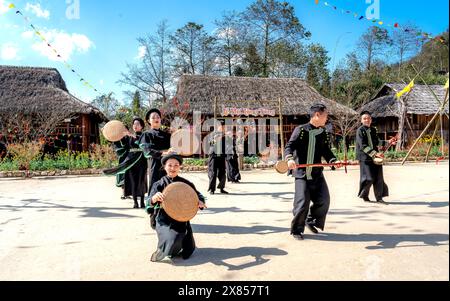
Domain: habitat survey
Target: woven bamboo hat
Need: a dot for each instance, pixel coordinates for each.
(282, 167)
(180, 202)
(114, 131)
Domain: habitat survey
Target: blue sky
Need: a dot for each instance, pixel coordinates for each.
(103, 39)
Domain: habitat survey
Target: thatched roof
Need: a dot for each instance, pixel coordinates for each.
(31, 89)
(419, 101)
(296, 95)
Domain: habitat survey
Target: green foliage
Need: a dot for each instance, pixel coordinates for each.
(251, 160)
(8, 165)
(195, 162)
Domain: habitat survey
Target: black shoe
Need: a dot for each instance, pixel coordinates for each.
(212, 192)
(298, 236)
(312, 228)
(223, 191)
(143, 206)
(367, 200)
(157, 256)
(123, 197)
(382, 202)
(136, 206)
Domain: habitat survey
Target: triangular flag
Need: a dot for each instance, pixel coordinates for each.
(407, 89)
(11, 6)
(317, 1)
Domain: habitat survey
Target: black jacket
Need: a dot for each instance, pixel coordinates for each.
(298, 145)
(367, 143)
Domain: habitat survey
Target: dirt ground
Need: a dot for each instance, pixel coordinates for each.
(79, 229)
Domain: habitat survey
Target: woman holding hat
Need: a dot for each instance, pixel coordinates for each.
(174, 238)
(155, 143)
(133, 169)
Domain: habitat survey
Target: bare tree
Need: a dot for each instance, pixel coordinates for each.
(373, 43)
(153, 74)
(229, 36)
(406, 42)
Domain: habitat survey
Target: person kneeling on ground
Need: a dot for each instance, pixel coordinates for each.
(174, 238)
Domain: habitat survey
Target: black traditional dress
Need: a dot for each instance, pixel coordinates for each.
(154, 143)
(174, 238)
(133, 168)
(367, 143)
(122, 150)
(232, 162)
(308, 145)
(216, 162)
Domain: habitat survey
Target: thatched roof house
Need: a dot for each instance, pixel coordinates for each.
(296, 95)
(420, 101)
(42, 91)
(421, 106)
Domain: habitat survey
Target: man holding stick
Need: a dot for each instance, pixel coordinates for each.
(308, 145)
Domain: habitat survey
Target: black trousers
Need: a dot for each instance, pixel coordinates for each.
(307, 191)
(372, 175)
(216, 169)
(232, 165)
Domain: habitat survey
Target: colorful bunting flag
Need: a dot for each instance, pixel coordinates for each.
(407, 89)
(41, 36)
(380, 22)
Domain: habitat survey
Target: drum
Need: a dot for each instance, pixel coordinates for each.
(184, 143)
(180, 202)
(282, 167)
(378, 161)
(114, 131)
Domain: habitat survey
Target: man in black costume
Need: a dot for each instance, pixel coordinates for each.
(216, 162)
(308, 145)
(367, 149)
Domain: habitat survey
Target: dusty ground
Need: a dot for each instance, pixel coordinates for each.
(79, 229)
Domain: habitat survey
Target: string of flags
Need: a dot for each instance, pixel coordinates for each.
(396, 26)
(41, 36)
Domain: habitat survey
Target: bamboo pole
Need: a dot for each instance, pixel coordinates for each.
(427, 127)
(431, 144)
(282, 129)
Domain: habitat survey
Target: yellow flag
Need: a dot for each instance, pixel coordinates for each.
(407, 89)
(11, 6)
(446, 85)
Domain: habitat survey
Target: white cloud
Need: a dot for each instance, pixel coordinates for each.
(9, 52)
(142, 50)
(3, 6)
(37, 10)
(102, 82)
(65, 43)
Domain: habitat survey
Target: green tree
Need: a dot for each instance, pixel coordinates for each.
(192, 47)
(108, 104)
(269, 22)
(317, 74)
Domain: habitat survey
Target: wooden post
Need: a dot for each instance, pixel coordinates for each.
(85, 132)
(281, 128)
